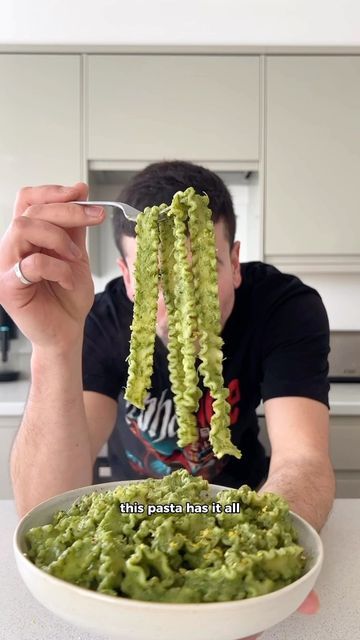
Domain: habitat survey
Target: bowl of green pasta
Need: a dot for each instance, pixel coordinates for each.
(160, 558)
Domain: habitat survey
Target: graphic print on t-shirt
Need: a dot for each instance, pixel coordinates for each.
(155, 429)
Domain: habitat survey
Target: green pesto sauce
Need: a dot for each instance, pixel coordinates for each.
(172, 557)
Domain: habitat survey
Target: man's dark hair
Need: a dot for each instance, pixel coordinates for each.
(158, 182)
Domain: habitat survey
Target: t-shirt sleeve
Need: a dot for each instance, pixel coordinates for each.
(103, 362)
(295, 349)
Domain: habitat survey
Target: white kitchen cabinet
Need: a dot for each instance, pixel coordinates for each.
(312, 159)
(344, 452)
(154, 107)
(8, 428)
(40, 124)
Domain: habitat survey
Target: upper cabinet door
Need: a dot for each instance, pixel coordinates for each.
(40, 129)
(312, 157)
(189, 107)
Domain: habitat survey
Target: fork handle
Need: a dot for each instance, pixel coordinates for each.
(95, 202)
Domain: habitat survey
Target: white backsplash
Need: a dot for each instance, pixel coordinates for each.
(341, 296)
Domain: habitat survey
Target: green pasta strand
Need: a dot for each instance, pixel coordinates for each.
(167, 262)
(143, 328)
(207, 299)
(181, 354)
(187, 326)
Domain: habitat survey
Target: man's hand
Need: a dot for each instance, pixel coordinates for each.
(310, 605)
(47, 234)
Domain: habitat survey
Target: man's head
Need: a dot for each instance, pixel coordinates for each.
(157, 184)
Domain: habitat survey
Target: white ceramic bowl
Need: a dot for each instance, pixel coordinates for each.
(126, 619)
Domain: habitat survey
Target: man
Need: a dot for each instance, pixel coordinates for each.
(275, 335)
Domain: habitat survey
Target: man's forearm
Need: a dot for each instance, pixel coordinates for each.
(51, 452)
(308, 486)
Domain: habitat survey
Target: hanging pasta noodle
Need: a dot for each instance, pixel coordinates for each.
(181, 239)
(143, 327)
(177, 283)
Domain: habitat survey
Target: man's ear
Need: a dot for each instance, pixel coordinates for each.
(235, 263)
(127, 278)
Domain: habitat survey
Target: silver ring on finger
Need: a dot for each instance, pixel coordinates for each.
(19, 274)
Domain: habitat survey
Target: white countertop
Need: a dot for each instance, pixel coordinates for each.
(344, 398)
(338, 587)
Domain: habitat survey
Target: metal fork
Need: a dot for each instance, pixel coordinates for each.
(129, 212)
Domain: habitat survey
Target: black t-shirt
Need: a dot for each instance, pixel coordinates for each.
(276, 343)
